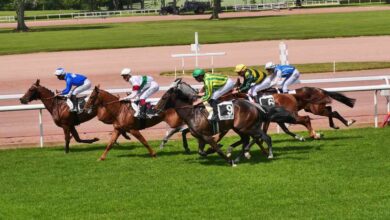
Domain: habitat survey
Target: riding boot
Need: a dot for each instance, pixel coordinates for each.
(142, 111)
(214, 119)
(73, 99)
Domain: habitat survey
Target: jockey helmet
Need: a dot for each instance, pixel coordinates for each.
(269, 65)
(198, 72)
(126, 72)
(59, 71)
(240, 68)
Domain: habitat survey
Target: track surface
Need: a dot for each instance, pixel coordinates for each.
(103, 66)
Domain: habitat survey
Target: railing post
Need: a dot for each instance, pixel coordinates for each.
(40, 128)
(376, 108)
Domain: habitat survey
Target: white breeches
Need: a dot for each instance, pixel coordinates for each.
(229, 85)
(79, 89)
(149, 91)
(290, 80)
(263, 85)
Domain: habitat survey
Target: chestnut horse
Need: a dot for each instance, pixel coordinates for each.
(314, 100)
(59, 111)
(108, 106)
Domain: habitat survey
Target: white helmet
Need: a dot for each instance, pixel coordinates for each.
(126, 72)
(59, 71)
(269, 65)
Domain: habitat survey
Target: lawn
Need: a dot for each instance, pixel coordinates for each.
(303, 68)
(143, 34)
(346, 175)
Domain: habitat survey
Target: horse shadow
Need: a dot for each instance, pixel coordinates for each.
(70, 28)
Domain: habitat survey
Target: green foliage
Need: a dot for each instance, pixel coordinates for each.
(346, 175)
(145, 34)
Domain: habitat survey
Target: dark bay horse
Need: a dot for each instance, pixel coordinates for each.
(108, 106)
(59, 111)
(247, 120)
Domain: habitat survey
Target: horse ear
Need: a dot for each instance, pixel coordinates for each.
(98, 86)
(37, 82)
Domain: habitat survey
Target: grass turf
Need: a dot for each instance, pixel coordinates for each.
(160, 33)
(346, 175)
(303, 68)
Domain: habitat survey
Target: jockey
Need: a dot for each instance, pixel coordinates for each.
(252, 79)
(143, 88)
(289, 72)
(214, 87)
(80, 82)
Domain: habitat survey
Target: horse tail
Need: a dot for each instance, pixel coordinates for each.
(280, 115)
(350, 102)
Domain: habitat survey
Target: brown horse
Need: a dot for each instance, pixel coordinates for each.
(247, 121)
(314, 100)
(108, 106)
(59, 111)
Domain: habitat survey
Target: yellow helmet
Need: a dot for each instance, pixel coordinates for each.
(239, 68)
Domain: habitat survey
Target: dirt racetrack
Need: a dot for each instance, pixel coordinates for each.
(18, 72)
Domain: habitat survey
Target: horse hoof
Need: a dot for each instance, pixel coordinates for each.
(232, 163)
(351, 122)
(228, 155)
(100, 159)
(335, 127)
(96, 139)
(247, 155)
(302, 139)
(270, 156)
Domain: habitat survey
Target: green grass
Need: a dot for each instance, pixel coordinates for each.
(145, 34)
(346, 175)
(303, 68)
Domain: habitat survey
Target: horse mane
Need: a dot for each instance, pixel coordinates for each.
(48, 90)
(109, 94)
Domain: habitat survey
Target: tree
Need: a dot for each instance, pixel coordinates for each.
(19, 7)
(216, 9)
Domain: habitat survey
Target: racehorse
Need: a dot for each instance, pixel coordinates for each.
(108, 106)
(314, 100)
(59, 111)
(247, 121)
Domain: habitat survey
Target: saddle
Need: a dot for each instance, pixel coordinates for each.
(80, 102)
(150, 112)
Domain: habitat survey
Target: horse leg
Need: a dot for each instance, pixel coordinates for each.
(244, 141)
(114, 136)
(184, 138)
(285, 130)
(67, 138)
(168, 135)
(76, 136)
(141, 138)
(305, 121)
(245, 150)
(260, 142)
(214, 145)
(343, 120)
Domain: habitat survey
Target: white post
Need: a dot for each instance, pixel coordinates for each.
(40, 128)
(283, 53)
(212, 64)
(334, 67)
(182, 64)
(376, 108)
(196, 49)
(175, 72)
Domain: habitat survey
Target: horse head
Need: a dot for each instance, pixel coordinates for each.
(93, 99)
(31, 94)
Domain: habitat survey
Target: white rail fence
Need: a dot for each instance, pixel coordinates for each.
(260, 7)
(81, 15)
(384, 88)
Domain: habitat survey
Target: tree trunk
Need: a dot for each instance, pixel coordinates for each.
(142, 4)
(20, 15)
(216, 9)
